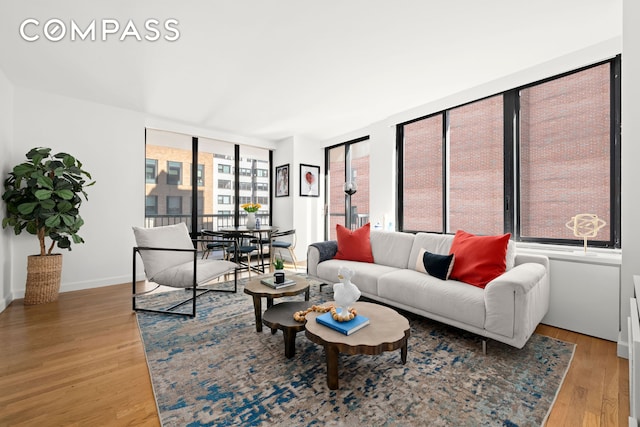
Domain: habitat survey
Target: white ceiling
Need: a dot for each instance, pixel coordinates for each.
(275, 68)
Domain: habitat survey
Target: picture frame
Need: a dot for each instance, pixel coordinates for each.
(309, 180)
(282, 181)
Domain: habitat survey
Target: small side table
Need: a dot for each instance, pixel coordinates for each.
(258, 291)
(388, 331)
(280, 316)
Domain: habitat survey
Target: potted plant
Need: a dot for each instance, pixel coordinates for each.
(43, 198)
(278, 264)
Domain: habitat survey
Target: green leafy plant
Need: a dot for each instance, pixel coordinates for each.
(43, 198)
(278, 264)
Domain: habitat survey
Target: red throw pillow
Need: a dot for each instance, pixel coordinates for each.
(479, 259)
(354, 245)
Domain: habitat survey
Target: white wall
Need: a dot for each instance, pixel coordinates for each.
(630, 158)
(6, 142)
(308, 212)
(110, 143)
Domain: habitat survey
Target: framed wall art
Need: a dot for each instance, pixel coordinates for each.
(282, 181)
(309, 180)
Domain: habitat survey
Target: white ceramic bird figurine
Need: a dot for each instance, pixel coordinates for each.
(345, 293)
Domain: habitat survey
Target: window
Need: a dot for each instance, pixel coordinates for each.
(347, 162)
(423, 175)
(174, 173)
(151, 205)
(151, 171)
(224, 200)
(225, 184)
(476, 177)
(565, 153)
(262, 173)
(222, 168)
(245, 186)
(200, 176)
(524, 161)
(174, 205)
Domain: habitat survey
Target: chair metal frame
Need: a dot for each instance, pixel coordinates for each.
(194, 288)
(290, 248)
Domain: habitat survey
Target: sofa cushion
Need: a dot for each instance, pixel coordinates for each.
(439, 266)
(354, 245)
(181, 276)
(450, 299)
(365, 275)
(391, 248)
(479, 259)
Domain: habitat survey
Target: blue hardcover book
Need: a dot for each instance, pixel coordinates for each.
(347, 327)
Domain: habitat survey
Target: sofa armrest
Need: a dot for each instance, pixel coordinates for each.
(516, 301)
(318, 252)
(521, 278)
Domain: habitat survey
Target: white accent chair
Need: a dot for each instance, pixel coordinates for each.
(170, 259)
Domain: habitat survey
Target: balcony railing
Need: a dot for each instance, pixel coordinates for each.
(205, 222)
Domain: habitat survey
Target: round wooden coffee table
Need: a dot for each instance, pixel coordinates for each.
(280, 316)
(387, 331)
(258, 291)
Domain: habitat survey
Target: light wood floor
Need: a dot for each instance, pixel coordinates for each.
(79, 362)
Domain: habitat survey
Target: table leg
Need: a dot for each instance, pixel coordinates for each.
(403, 352)
(269, 302)
(257, 308)
(306, 294)
(289, 343)
(332, 366)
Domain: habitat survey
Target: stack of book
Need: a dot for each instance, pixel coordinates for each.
(271, 282)
(346, 328)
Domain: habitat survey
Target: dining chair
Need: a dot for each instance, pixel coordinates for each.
(214, 241)
(170, 259)
(241, 247)
(284, 240)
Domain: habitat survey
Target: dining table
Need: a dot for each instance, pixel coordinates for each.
(262, 234)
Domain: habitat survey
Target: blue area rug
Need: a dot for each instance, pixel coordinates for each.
(216, 370)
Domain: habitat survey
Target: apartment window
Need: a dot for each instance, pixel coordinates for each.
(200, 176)
(476, 176)
(186, 160)
(524, 161)
(174, 205)
(222, 168)
(565, 153)
(224, 200)
(423, 175)
(151, 171)
(245, 186)
(347, 162)
(225, 184)
(263, 173)
(174, 173)
(151, 205)
(262, 186)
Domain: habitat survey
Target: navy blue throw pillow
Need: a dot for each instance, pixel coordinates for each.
(439, 266)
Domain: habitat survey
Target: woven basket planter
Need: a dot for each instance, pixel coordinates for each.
(43, 279)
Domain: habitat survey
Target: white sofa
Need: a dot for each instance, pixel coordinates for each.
(508, 309)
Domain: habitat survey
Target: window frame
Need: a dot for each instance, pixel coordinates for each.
(511, 198)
